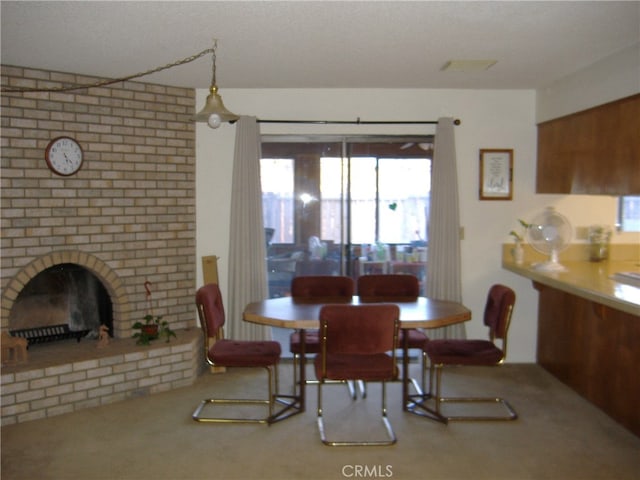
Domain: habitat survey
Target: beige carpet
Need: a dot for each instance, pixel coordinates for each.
(558, 436)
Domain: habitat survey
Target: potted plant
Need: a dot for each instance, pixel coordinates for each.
(518, 250)
(152, 328)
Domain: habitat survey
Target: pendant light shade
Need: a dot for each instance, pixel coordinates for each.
(214, 112)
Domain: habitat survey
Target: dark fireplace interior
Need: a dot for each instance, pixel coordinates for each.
(63, 301)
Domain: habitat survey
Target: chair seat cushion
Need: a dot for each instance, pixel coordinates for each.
(416, 338)
(343, 366)
(463, 352)
(311, 342)
(244, 353)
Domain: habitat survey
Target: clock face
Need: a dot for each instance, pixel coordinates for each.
(64, 156)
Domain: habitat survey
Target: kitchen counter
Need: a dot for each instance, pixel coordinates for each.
(589, 328)
(589, 280)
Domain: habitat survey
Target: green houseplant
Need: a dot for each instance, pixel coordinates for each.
(152, 328)
(518, 250)
(519, 238)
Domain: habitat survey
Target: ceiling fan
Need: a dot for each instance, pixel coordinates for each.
(427, 147)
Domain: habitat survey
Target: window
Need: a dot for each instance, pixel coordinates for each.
(330, 202)
(277, 197)
(629, 214)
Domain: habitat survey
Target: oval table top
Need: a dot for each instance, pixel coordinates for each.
(297, 313)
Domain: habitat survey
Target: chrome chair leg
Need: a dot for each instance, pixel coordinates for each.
(349, 383)
(420, 388)
(350, 443)
(418, 403)
(363, 389)
(272, 377)
(420, 408)
(510, 415)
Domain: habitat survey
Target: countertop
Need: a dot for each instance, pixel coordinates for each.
(590, 280)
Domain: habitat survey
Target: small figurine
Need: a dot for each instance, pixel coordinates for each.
(14, 349)
(103, 337)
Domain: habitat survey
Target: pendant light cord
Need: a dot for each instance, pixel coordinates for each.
(213, 62)
(212, 50)
(102, 83)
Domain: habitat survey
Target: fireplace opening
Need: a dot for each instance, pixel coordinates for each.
(63, 301)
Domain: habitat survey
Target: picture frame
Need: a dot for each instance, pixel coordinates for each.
(496, 174)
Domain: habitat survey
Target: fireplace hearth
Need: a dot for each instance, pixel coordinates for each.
(66, 376)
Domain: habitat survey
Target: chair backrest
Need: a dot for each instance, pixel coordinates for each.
(210, 310)
(322, 286)
(388, 285)
(359, 329)
(498, 310)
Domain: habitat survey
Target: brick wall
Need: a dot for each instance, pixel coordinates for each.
(129, 213)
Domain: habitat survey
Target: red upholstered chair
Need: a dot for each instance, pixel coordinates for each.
(357, 342)
(233, 353)
(315, 286)
(387, 287)
(497, 316)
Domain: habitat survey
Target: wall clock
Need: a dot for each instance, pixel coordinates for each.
(64, 156)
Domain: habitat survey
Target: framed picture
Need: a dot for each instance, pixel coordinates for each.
(496, 174)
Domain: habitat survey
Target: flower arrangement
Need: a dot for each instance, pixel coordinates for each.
(153, 326)
(518, 251)
(517, 236)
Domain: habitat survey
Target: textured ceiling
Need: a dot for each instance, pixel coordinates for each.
(310, 44)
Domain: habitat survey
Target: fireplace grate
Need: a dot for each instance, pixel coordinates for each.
(50, 333)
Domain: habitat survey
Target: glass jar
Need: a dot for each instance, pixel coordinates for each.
(599, 238)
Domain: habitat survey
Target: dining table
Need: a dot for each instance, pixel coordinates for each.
(303, 314)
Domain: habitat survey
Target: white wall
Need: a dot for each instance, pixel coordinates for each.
(614, 77)
(490, 119)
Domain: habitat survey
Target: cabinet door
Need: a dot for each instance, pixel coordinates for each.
(624, 387)
(563, 340)
(593, 349)
(596, 151)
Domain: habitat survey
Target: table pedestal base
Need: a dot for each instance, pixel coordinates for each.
(292, 405)
(416, 404)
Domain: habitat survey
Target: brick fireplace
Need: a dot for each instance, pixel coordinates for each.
(128, 216)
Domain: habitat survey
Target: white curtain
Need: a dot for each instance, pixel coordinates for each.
(443, 256)
(247, 252)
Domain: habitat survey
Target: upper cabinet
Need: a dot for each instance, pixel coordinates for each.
(596, 151)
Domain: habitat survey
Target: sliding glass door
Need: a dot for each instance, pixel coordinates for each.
(345, 205)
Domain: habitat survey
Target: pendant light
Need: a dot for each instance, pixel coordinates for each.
(214, 112)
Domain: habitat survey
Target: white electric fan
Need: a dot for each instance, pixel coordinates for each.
(549, 233)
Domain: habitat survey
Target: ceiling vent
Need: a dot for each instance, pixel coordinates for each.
(468, 65)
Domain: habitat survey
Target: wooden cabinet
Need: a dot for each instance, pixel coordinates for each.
(596, 151)
(594, 349)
